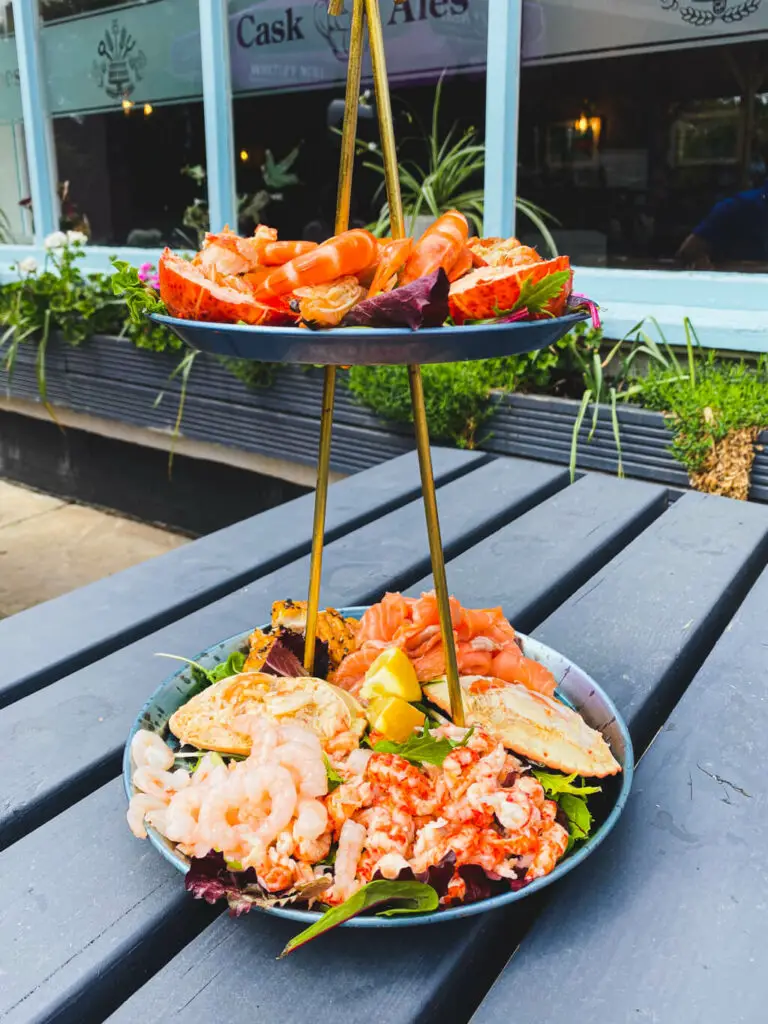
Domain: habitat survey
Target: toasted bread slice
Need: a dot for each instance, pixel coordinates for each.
(210, 719)
(531, 724)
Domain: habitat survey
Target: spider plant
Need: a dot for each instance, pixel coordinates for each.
(586, 351)
(444, 180)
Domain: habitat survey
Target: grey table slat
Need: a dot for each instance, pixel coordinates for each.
(597, 516)
(438, 973)
(666, 922)
(643, 624)
(68, 881)
(80, 722)
(61, 749)
(228, 968)
(59, 636)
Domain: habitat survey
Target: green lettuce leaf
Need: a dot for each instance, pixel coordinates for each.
(554, 784)
(579, 818)
(417, 897)
(422, 748)
(231, 667)
(572, 798)
(334, 779)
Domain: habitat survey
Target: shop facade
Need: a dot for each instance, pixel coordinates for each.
(640, 127)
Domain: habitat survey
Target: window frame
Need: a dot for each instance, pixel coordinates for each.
(729, 310)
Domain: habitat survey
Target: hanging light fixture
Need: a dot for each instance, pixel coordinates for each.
(148, 108)
(244, 156)
(127, 106)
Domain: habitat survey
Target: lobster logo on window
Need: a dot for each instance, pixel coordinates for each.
(121, 64)
(703, 13)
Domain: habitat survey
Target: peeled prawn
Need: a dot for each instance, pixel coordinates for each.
(350, 848)
(148, 750)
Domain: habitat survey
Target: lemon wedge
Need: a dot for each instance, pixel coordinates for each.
(394, 717)
(391, 675)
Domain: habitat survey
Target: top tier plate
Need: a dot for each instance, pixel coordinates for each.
(365, 346)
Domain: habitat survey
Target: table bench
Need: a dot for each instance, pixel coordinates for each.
(662, 597)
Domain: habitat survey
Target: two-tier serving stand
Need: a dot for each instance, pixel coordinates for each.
(354, 346)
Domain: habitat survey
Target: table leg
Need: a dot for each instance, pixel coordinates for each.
(435, 542)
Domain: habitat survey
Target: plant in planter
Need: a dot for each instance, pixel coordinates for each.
(443, 181)
(457, 395)
(716, 413)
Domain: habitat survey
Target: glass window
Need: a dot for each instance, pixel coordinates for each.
(644, 131)
(289, 70)
(124, 88)
(15, 207)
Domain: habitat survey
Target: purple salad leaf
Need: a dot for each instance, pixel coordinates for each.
(422, 303)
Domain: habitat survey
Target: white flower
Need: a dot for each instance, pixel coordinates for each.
(28, 265)
(57, 240)
(76, 238)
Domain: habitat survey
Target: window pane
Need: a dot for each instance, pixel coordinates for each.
(125, 92)
(289, 70)
(15, 215)
(644, 131)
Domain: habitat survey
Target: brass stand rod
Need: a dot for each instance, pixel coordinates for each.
(397, 222)
(435, 542)
(346, 167)
(349, 127)
(318, 525)
(386, 128)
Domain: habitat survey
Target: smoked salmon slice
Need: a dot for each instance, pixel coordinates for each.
(486, 643)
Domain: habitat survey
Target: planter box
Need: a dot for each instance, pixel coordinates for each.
(109, 378)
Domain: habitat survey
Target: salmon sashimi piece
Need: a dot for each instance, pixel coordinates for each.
(519, 669)
(486, 643)
(352, 669)
(381, 621)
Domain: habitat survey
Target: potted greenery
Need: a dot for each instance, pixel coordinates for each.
(443, 178)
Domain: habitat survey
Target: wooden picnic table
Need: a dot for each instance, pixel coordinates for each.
(662, 597)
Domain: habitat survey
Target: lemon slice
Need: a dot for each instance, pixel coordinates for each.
(391, 675)
(394, 717)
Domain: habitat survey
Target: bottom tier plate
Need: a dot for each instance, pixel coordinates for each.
(370, 346)
(575, 688)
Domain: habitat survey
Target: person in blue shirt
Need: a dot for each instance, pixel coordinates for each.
(734, 231)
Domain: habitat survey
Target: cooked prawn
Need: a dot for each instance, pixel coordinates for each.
(350, 848)
(341, 256)
(148, 750)
(439, 246)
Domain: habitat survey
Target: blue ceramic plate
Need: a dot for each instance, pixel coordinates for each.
(366, 346)
(575, 688)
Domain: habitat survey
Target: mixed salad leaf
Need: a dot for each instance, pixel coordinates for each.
(424, 747)
(411, 897)
(423, 303)
(571, 797)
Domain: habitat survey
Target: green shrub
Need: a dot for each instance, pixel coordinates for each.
(457, 395)
(721, 397)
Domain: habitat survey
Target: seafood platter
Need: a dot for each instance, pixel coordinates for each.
(415, 760)
(357, 299)
(339, 797)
